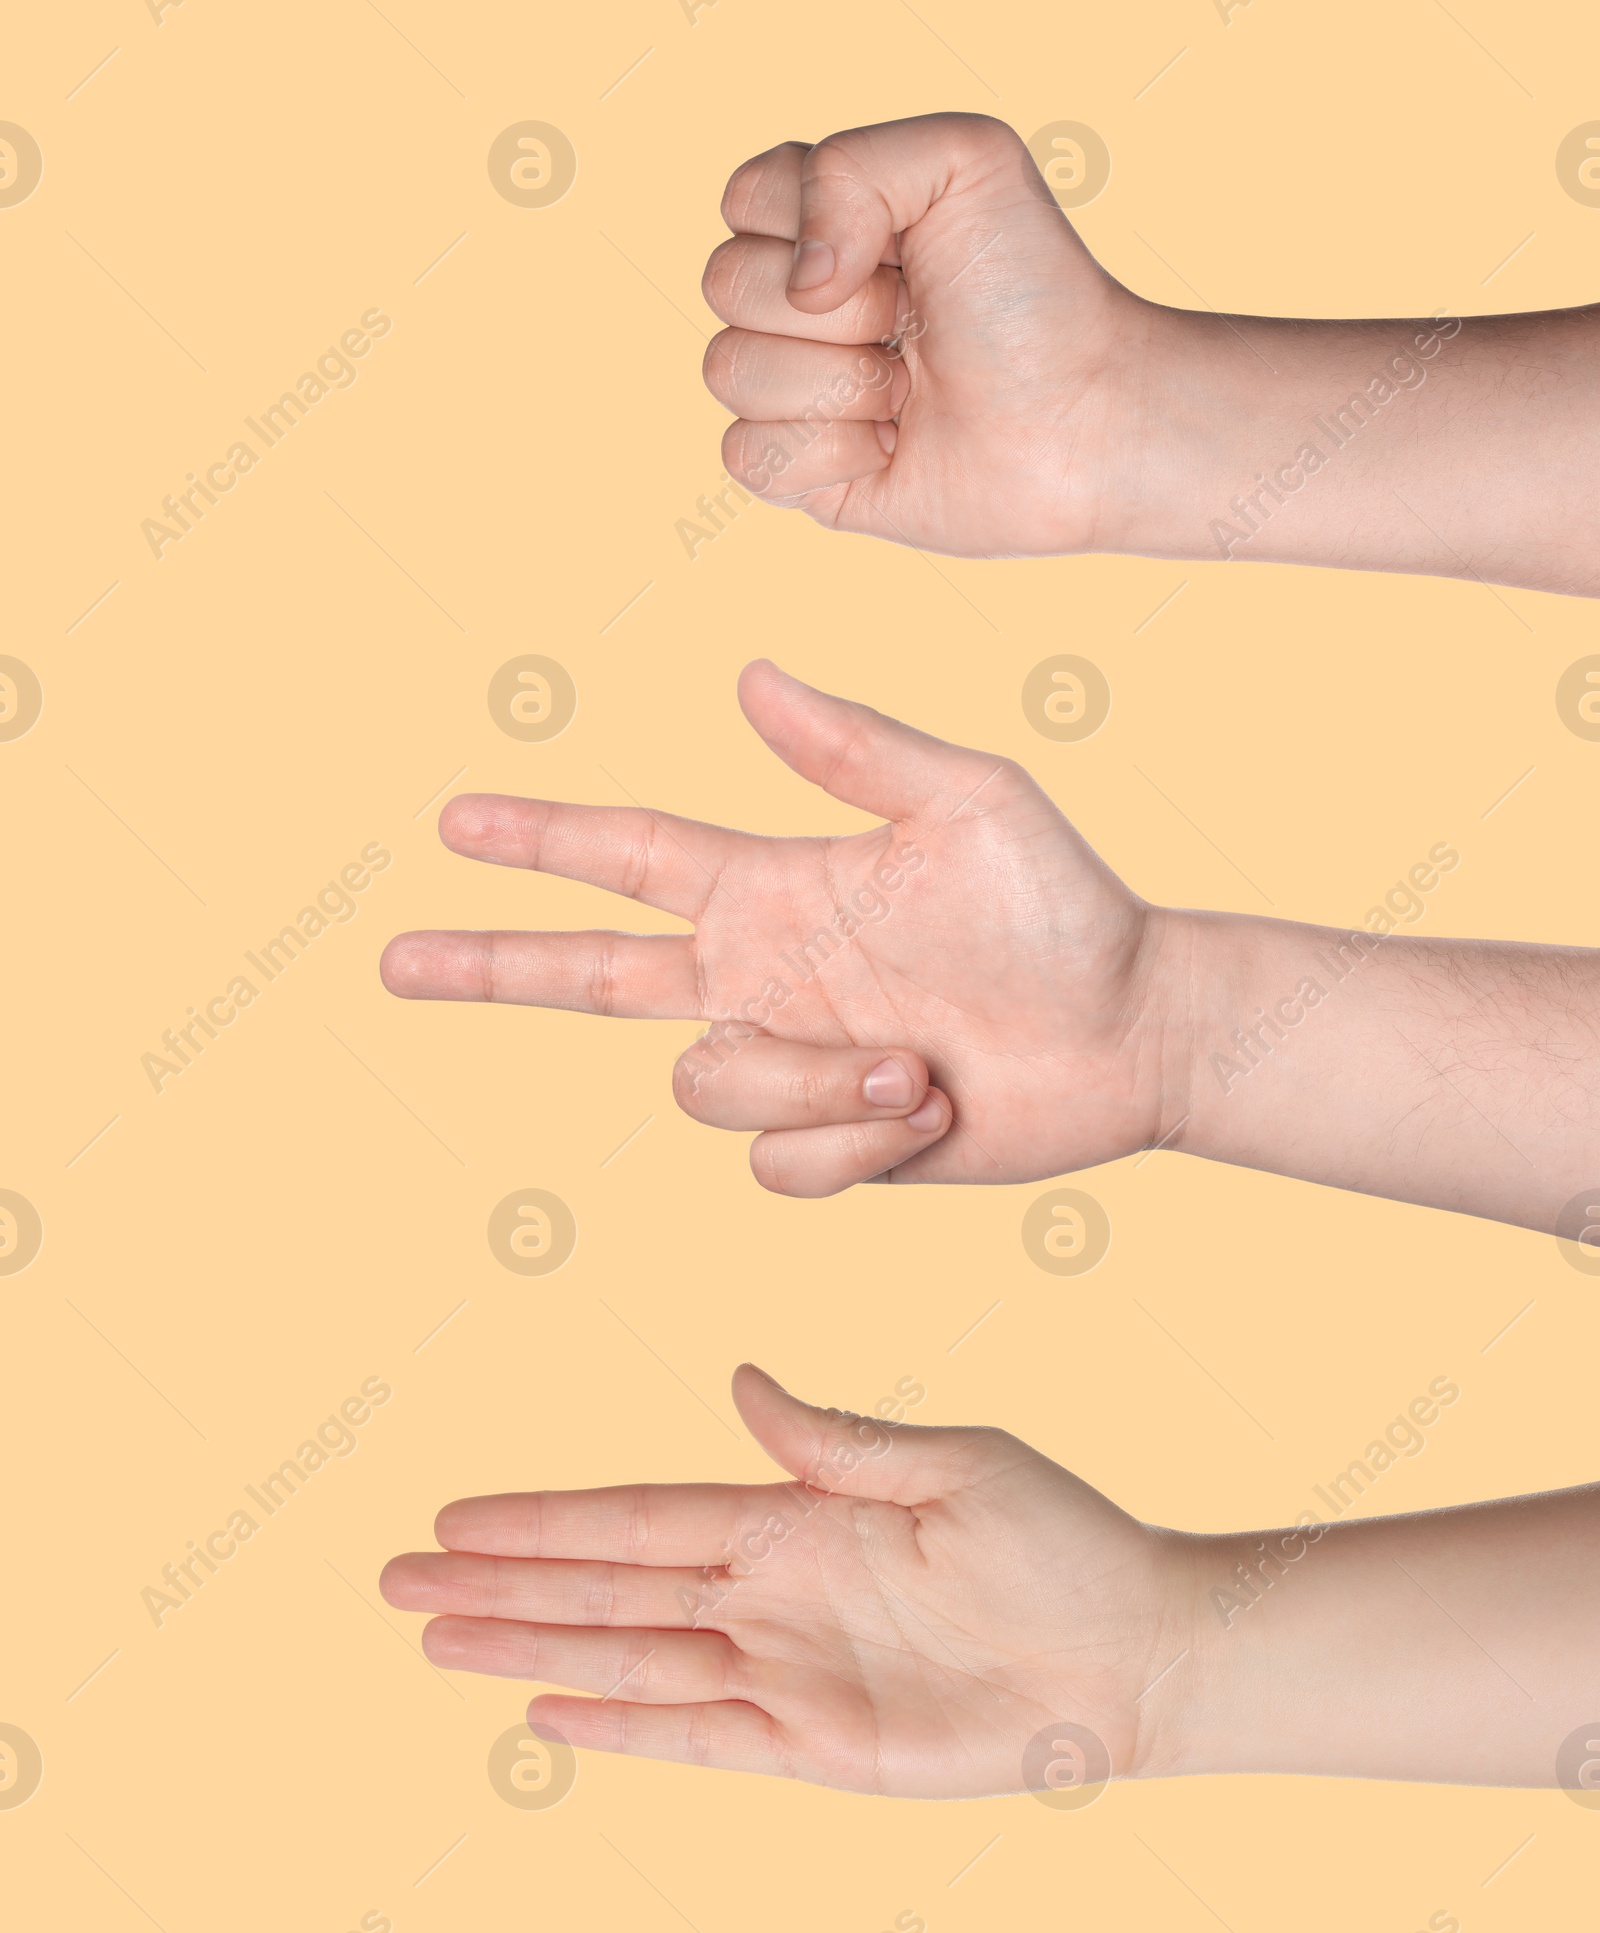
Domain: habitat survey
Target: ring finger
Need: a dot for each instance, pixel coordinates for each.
(774, 379)
(759, 1082)
(646, 1667)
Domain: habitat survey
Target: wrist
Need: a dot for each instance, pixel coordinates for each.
(1166, 1707)
(1172, 1005)
(1232, 991)
(1206, 1714)
(1175, 400)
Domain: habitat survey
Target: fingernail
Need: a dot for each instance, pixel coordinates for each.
(813, 264)
(927, 1117)
(888, 1085)
(888, 436)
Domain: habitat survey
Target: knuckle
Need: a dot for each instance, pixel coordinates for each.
(722, 371)
(697, 1743)
(731, 1676)
(689, 1080)
(980, 137)
(744, 457)
(757, 184)
(985, 127)
(811, 1092)
(739, 195)
(598, 1599)
(838, 157)
(721, 272)
(770, 1165)
(986, 1448)
(999, 782)
(638, 1536)
(603, 979)
(639, 859)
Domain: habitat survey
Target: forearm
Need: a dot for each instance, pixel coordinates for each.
(1458, 1646)
(1455, 448)
(1460, 1074)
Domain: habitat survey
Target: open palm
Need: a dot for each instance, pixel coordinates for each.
(963, 993)
(912, 1616)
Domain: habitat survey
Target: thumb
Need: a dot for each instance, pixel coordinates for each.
(856, 753)
(860, 190)
(843, 1454)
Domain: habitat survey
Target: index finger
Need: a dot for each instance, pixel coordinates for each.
(763, 196)
(674, 864)
(861, 188)
(631, 1523)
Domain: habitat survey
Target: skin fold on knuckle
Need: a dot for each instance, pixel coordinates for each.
(690, 1078)
(742, 197)
(720, 281)
(718, 368)
(791, 1162)
(743, 445)
(730, 1673)
(981, 135)
(838, 170)
(812, 1092)
(769, 1167)
(522, 1647)
(757, 184)
(835, 1159)
(598, 1599)
(602, 979)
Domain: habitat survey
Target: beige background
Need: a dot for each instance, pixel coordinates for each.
(306, 671)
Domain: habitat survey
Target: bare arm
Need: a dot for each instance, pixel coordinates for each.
(1458, 1646)
(1462, 1074)
(967, 994)
(945, 1613)
(920, 348)
(1455, 448)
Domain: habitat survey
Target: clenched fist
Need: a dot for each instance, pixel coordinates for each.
(919, 347)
